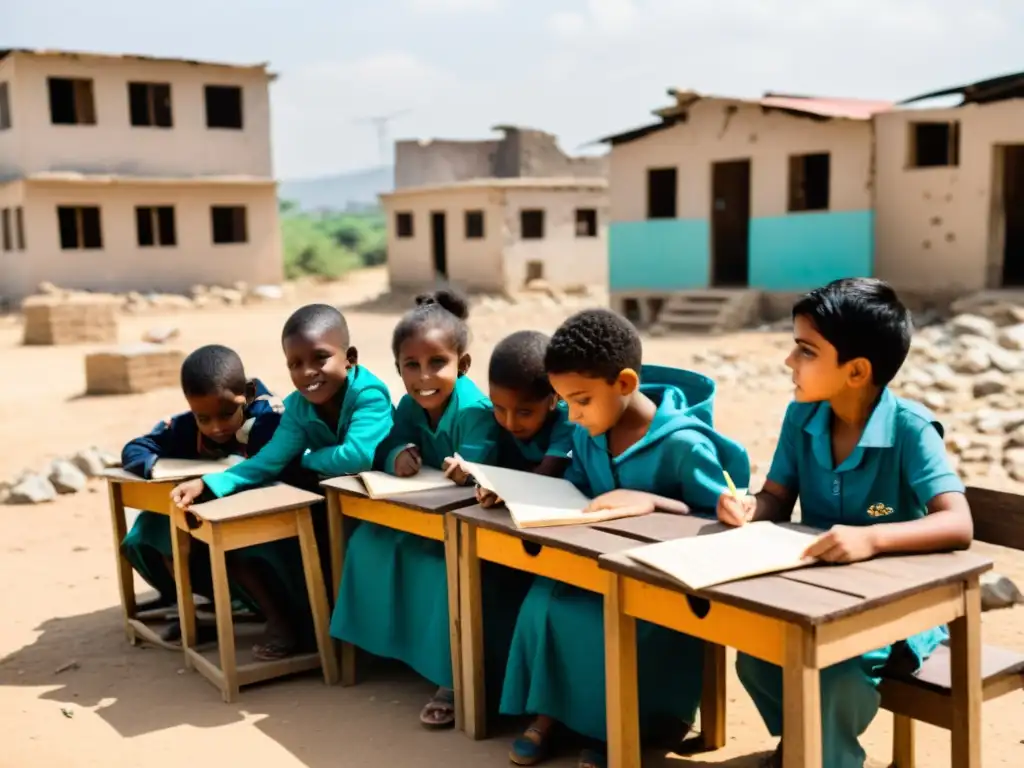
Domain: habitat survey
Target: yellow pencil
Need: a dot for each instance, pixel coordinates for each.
(731, 484)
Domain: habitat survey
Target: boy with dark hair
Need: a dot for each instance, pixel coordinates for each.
(331, 425)
(229, 415)
(869, 467)
(646, 442)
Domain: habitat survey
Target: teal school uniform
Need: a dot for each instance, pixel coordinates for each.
(554, 439)
(394, 588)
(897, 467)
(326, 451)
(556, 664)
(149, 539)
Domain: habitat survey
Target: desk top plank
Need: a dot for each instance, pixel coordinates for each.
(255, 502)
(438, 500)
(583, 540)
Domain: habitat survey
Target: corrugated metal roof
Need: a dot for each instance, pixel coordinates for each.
(981, 92)
(850, 109)
(56, 53)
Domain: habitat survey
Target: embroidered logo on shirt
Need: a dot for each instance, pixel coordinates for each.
(879, 510)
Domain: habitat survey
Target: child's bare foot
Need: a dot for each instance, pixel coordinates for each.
(534, 745)
(278, 642)
(439, 712)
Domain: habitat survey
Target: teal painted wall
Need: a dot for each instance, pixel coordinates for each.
(787, 253)
(658, 255)
(804, 250)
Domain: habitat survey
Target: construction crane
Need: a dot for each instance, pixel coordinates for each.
(380, 122)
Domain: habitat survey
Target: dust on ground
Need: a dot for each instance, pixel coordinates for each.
(122, 706)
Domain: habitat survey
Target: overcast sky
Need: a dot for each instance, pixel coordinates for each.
(578, 68)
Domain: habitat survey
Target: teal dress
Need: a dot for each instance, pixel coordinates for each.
(897, 467)
(554, 439)
(394, 587)
(322, 451)
(556, 663)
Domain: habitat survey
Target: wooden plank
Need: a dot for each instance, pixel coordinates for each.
(255, 502)
(317, 594)
(998, 517)
(567, 567)
(439, 500)
(996, 662)
(965, 660)
(249, 531)
(474, 694)
(660, 526)
(151, 497)
(801, 702)
(903, 747)
(336, 541)
(225, 624)
(452, 553)
(713, 696)
(418, 522)
(621, 686)
(181, 546)
(125, 579)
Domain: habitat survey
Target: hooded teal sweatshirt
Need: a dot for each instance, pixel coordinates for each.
(366, 418)
(681, 456)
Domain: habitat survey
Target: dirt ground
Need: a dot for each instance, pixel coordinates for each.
(124, 706)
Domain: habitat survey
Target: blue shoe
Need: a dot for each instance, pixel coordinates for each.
(526, 751)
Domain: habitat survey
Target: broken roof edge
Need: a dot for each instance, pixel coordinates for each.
(986, 91)
(110, 179)
(830, 107)
(504, 183)
(60, 53)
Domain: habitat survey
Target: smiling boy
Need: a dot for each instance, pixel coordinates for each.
(868, 467)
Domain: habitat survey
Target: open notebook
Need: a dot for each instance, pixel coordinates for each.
(381, 485)
(754, 549)
(535, 501)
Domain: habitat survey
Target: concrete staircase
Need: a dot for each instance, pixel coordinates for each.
(710, 311)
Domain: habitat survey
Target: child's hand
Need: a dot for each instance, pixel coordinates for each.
(455, 470)
(408, 462)
(185, 493)
(622, 500)
(487, 499)
(733, 511)
(844, 544)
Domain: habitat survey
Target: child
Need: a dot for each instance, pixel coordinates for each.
(648, 445)
(394, 596)
(868, 466)
(332, 424)
(228, 415)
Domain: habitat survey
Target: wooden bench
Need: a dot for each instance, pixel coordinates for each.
(242, 520)
(926, 695)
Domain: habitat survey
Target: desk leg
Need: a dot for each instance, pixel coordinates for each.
(712, 702)
(125, 578)
(965, 667)
(225, 623)
(474, 700)
(903, 751)
(317, 595)
(346, 652)
(801, 702)
(623, 703)
(181, 547)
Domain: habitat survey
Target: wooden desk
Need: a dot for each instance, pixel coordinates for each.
(421, 514)
(127, 490)
(803, 621)
(568, 554)
(242, 520)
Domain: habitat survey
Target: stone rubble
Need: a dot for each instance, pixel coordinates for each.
(62, 476)
(199, 297)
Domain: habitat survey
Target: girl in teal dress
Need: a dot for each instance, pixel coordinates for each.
(394, 589)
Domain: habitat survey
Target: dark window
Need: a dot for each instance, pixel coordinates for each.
(223, 106)
(155, 226)
(586, 222)
(661, 193)
(809, 182)
(474, 225)
(79, 227)
(403, 224)
(5, 228)
(229, 224)
(19, 228)
(149, 104)
(5, 107)
(531, 224)
(934, 145)
(71, 102)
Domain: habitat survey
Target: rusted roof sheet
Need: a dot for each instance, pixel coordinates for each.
(851, 109)
(981, 92)
(5, 52)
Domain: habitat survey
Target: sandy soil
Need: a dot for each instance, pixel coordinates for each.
(124, 706)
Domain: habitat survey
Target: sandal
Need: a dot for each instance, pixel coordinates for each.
(439, 712)
(591, 759)
(274, 649)
(527, 751)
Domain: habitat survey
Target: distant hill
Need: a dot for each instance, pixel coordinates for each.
(339, 192)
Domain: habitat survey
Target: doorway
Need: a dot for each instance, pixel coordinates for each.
(730, 223)
(1013, 216)
(439, 243)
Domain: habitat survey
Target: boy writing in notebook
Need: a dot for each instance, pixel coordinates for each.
(643, 440)
(867, 466)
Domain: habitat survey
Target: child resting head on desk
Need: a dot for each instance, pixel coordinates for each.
(868, 466)
(229, 415)
(394, 597)
(331, 426)
(644, 440)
